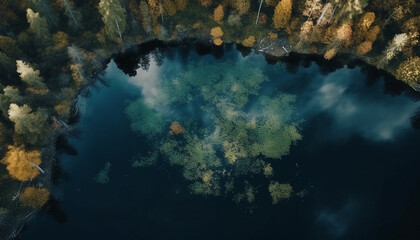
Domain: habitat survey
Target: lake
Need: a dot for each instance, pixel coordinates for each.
(278, 150)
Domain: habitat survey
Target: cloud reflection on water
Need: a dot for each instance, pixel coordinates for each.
(338, 222)
(149, 83)
(355, 108)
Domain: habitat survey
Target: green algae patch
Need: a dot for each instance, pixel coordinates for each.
(231, 131)
(144, 119)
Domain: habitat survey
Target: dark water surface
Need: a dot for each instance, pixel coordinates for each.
(358, 161)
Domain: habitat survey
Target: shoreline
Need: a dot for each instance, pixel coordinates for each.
(49, 153)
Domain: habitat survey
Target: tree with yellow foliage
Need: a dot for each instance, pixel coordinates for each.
(217, 33)
(282, 13)
(217, 41)
(330, 54)
(306, 30)
(372, 34)
(249, 41)
(313, 9)
(61, 39)
(363, 26)
(242, 6)
(364, 48)
(169, 7)
(22, 165)
(218, 13)
(34, 197)
(344, 33)
(409, 71)
(366, 21)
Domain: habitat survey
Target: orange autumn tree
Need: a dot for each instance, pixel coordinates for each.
(409, 71)
(34, 197)
(249, 41)
(205, 3)
(366, 21)
(21, 164)
(330, 54)
(363, 26)
(372, 34)
(176, 128)
(217, 33)
(344, 33)
(218, 13)
(364, 47)
(282, 13)
(242, 6)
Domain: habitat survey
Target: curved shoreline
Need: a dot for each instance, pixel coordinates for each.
(294, 59)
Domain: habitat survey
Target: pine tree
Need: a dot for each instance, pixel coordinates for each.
(73, 15)
(38, 25)
(394, 46)
(145, 17)
(31, 78)
(7, 15)
(47, 10)
(9, 47)
(31, 126)
(13, 94)
(113, 16)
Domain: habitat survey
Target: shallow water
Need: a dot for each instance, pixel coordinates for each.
(357, 162)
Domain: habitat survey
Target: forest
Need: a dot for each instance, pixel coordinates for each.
(52, 50)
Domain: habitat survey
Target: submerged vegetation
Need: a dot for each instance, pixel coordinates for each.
(103, 175)
(235, 139)
(50, 51)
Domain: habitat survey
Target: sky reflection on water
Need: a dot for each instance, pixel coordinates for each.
(357, 159)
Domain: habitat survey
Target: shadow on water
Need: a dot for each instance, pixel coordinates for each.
(54, 210)
(359, 187)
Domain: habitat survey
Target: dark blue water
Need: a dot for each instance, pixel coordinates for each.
(358, 161)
